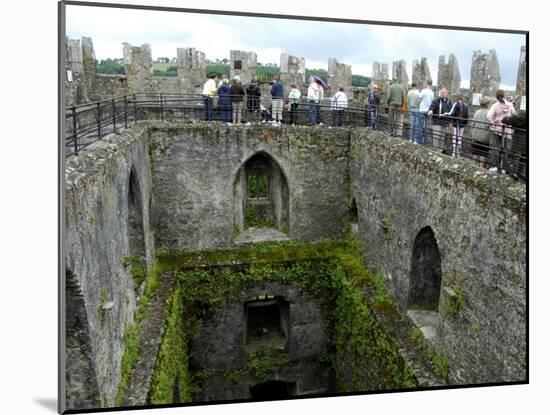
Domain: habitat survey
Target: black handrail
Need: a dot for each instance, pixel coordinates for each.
(507, 149)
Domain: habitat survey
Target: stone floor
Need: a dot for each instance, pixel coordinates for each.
(254, 235)
(427, 321)
(270, 340)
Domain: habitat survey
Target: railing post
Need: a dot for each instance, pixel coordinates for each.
(125, 111)
(99, 120)
(501, 150)
(135, 109)
(161, 107)
(114, 114)
(75, 133)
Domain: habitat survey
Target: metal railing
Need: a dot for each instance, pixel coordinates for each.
(496, 147)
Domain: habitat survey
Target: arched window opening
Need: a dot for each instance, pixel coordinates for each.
(425, 278)
(261, 195)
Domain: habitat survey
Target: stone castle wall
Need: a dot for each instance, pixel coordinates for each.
(479, 222)
(186, 173)
(97, 245)
(195, 167)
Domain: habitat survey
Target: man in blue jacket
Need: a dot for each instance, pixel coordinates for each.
(277, 97)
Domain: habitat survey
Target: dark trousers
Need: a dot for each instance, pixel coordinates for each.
(337, 118)
(208, 104)
(293, 110)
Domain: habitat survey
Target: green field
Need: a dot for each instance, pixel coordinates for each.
(163, 66)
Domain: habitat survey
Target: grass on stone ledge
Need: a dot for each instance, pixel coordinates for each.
(132, 332)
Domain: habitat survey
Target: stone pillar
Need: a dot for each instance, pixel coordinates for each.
(421, 72)
(485, 73)
(448, 75)
(242, 64)
(380, 76)
(191, 69)
(89, 66)
(293, 71)
(139, 67)
(339, 75)
(75, 92)
(521, 85)
(399, 72)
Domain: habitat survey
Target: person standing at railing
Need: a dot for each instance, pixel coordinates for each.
(441, 122)
(338, 103)
(518, 149)
(293, 101)
(413, 101)
(321, 97)
(373, 102)
(253, 95)
(501, 133)
(313, 98)
(237, 97)
(459, 119)
(425, 100)
(481, 133)
(395, 102)
(224, 100)
(277, 97)
(209, 91)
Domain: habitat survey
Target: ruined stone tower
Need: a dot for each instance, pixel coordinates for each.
(293, 71)
(88, 63)
(242, 64)
(191, 69)
(339, 75)
(521, 82)
(448, 74)
(380, 76)
(138, 65)
(75, 86)
(485, 73)
(421, 72)
(399, 72)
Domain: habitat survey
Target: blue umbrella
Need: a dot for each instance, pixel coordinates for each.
(323, 84)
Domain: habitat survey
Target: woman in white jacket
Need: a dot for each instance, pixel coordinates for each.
(338, 103)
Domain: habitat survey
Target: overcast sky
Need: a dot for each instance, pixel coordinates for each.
(355, 44)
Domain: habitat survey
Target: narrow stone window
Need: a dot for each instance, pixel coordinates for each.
(237, 64)
(354, 215)
(425, 278)
(273, 389)
(267, 324)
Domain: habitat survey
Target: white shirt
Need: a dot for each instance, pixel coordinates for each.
(426, 98)
(313, 92)
(339, 101)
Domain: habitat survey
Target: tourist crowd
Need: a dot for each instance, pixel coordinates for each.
(436, 121)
